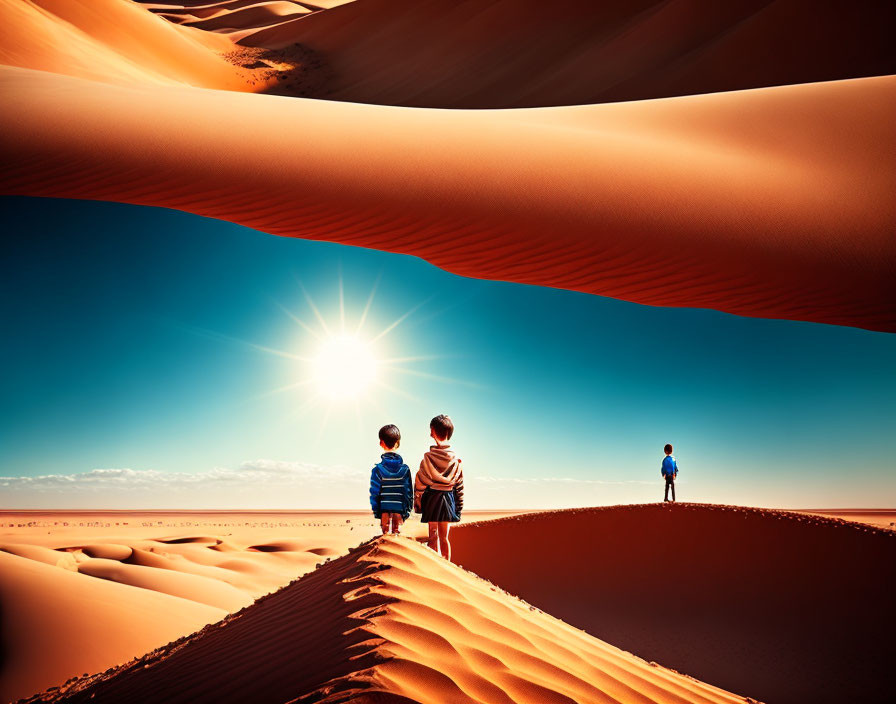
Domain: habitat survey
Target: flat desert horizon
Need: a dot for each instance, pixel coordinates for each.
(624, 266)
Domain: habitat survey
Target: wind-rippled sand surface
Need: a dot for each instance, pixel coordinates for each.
(762, 191)
(394, 622)
(725, 593)
(81, 591)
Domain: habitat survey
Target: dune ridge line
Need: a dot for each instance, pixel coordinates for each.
(715, 201)
(401, 624)
(783, 606)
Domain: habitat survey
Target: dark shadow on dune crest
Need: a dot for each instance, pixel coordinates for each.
(188, 539)
(273, 651)
(293, 70)
(266, 548)
(324, 552)
(477, 54)
(782, 606)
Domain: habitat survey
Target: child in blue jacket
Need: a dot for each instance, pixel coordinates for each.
(391, 490)
(669, 471)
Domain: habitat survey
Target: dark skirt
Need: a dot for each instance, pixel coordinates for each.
(438, 506)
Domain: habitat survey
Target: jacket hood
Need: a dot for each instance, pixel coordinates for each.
(440, 467)
(392, 463)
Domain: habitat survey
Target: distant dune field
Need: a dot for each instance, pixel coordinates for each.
(82, 591)
(747, 586)
(389, 622)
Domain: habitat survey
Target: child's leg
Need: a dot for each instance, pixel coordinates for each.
(433, 541)
(384, 522)
(397, 520)
(672, 484)
(443, 539)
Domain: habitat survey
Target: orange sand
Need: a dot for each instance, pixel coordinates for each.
(721, 200)
(782, 606)
(762, 599)
(775, 202)
(401, 624)
(85, 591)
(879, 517)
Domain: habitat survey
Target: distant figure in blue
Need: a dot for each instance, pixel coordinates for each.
(669, 471)
(391, 488)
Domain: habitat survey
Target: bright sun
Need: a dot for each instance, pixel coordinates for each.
(344, 367)
(343, 360)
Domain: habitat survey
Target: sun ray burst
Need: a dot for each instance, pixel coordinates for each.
(341, 302)
(314, 309)
(366, 310)
(307, 328)
(419, 358)
(282, 389)
(211, 334)
(433, 377)
(401, 319)
(398, 392)
(341, 366)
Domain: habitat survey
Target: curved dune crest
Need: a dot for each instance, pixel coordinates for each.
(84, 624)
(202, 590)
(782, 606)
(401, 625)
(771, 203)
(248, 17)
(153, 582)
(114, 41)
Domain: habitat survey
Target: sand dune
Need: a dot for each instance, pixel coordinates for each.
(145, 579)
(56, 624)
(882, 518)
(158, 565)
(115, 41)
(781, 606)
(256, 15)
(41, 554)
(202, 10)
(194, 587)
(773, 203)
(402, 625)
(528, 53)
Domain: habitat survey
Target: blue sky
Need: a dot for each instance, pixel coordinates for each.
(132, 344)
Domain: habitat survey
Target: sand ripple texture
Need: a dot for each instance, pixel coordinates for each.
(764, 190)
(390, 622)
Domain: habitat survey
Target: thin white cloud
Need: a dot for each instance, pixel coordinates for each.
(274, 484)
(265, 471)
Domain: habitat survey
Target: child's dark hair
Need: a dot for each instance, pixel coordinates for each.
(390, 436)
(442, 426)
(668, 449)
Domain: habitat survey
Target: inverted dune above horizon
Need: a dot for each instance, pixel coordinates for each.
(773, 202)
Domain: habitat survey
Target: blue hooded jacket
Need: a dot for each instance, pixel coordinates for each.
(391, 488)
(670, 466)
